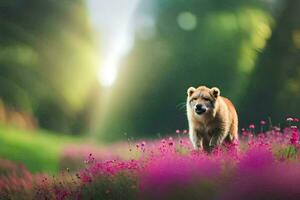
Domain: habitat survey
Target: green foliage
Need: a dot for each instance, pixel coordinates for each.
(289, 152)
(46, 59)
(273, 90)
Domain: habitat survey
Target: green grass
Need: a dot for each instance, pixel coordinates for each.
(38, 150)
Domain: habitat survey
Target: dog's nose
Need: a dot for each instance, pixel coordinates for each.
(200, 109)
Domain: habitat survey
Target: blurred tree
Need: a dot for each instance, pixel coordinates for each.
(192, 43)
(274, 88)
(46, 59)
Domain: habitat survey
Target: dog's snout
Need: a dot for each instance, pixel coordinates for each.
(199, 109)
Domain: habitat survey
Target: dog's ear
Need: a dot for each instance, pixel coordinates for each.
(190, 91)
(215, 92)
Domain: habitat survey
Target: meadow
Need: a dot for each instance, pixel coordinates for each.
(92, 92)
(264, 164)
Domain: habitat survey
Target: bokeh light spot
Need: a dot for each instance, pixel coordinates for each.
(296, 38)
(187, 21)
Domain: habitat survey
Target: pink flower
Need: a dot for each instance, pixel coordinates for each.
(252, 126)
(294, 127)
(289, 119)
(295, 138)
(296, 120)
(185, 131)
(262, 122)
(177, 131)
(276, 128)
(85, 178)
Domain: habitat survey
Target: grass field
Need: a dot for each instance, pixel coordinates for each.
(39, 150)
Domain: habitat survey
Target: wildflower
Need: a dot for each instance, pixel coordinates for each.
(252, 126)
(185, 131)
(263, 122)
(294, 139)
(294, 127)
(245, 134)
(177, 131)
(61, 193)
(289, 119)
(296, 120)
(276, 128)
(85, 178)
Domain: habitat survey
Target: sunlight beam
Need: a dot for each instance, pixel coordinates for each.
(112, 22)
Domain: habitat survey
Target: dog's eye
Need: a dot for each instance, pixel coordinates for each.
(194, 99)
(206, 99)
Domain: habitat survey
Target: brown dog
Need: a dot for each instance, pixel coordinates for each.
(212, 118)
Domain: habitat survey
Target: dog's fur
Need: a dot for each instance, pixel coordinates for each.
(219, 122)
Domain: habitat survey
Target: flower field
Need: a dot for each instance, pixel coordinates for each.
(262, 165)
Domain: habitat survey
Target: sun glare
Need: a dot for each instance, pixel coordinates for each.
(107, 75)
(112, 59)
